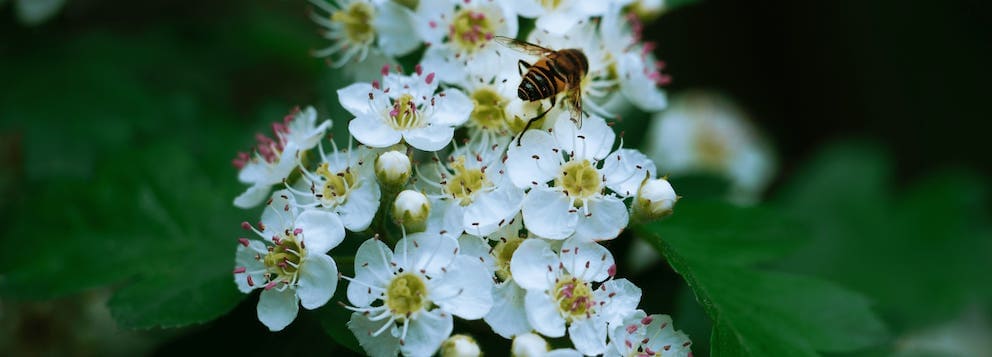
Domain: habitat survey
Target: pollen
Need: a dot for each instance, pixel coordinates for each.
(580, 180)
(405, 115)
(469, 30)
(489, 113)
(465, 182)
(356, 21)
(284, 259)
(503, 252)
(574, 297)
(406, 294)
(336, 185)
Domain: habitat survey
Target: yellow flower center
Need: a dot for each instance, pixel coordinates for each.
(489, 112)
(580, 180)
(357, 22)
(405, 114)
(465, 182)
(574, 298)
(283, 259)
(712, 150)
(406, 294)
(550, 4)
(470, 30)
(503, 252)
(336, 185)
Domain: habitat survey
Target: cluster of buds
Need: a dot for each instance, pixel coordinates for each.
(477, 190)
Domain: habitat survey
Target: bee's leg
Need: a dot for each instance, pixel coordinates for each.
(521, 66)
(534, 119)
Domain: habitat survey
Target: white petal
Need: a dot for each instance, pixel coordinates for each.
(588, 336)
(528, 8)
(593, 142)
(355, 98)
(255, 171)
(586, 260)
(534, 161)
(625, 169)
(276, 309)
(395, 27)
(563, 352)
(318, 281)
(464, 289)
(385, 344)
(363, 201)
(543, 315)
(322, 230)
(558, 22)
(279, 214)
(429, 138)
(623, 303)
(426, 253)
(426, 333)
(607, 217)
(637, 87)
(477, 248)
(441, 61)
(244, 257)
(453, 108)
(530, 262)
(508, 316)
(372, 272)
(372, 131)
(253, 196)
(549, 214)
(489, 209)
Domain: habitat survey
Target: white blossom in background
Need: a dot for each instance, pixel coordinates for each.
(360, 27)
(343, 183)
(573, 288)
(704, 132)
(580, 165)
(405, 299)
(290, 262)
(644, 335)
(532, 345)
(404, 108)
(458, 31)
(636, 69)
(560, 17)
(273, 160)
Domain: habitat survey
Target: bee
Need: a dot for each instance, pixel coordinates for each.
(555, 72)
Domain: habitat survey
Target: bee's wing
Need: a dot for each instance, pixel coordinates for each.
(574, 99)
(525, 47)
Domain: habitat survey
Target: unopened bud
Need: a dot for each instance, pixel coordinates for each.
(411, 210)
(392, 168)
(529, 345)
(460, 346)
(655, 199)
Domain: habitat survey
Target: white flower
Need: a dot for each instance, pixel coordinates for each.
(497, 112)
(476, 190)
(404, 108)
(404, 299)
(457, 31)
(273, 160)
(343, 183)
(359, 27)
(648, 336)
(393, 168)
(460, 346)
(637, 70)
(580, 165)
(36, 12)
(532, 345)
(561, 291)
(291, 265)
(705, 132)
(508, 317)
(561, 16)
(411, 209)
(655, 199)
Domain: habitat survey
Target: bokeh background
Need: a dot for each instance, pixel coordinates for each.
(118, 121)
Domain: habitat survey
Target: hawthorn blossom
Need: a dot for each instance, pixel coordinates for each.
(290, 262)
(568, 171)
(560, 17)
(343, 183)
(508, 316)
(634, 65)
(404, 299)
(648, 336)
(573, 288)
(361, 27)
(404, 108)
(273, 160)
(457, 31)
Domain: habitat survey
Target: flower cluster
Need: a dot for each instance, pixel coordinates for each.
(481, 185)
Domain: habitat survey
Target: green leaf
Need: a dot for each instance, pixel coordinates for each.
(759, 313)
(926, 245)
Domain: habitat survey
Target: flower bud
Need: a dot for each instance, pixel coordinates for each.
(411, 210)
(655, 199)
(392, 168)
(460, 346)
(528, 345)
